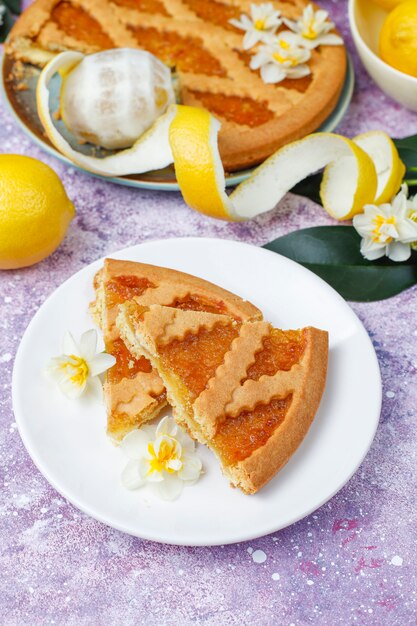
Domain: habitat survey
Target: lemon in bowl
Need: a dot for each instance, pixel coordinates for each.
(398, 38)
(366, 20)
(35, 211)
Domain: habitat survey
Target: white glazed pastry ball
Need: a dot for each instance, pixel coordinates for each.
(111, 98)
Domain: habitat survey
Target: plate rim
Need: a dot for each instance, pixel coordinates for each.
(164, 539)
(232, 180)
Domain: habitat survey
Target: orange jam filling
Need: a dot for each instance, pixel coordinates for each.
(77, 23)
(126, 365)
(196, 303)
(145, 6)
(214, 12)
(238, 437)
(281, 350)
(184, 53)
(298, 84)
(243, 111)
(117, 422)
(196, 358)
(122, 288)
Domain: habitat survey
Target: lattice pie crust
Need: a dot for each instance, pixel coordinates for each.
(245, 389)
(134, 392)
(195, 38)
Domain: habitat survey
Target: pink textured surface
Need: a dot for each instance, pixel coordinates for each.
(352, 562)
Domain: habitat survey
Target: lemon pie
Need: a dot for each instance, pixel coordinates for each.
(247, 390)
(134, 392)
(196, 39)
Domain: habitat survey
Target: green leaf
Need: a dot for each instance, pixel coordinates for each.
(13, 6)
(7, 23)
(333, 253)
(309, 188)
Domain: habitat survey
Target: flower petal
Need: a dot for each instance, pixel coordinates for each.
(135, 444)
(330, 40)
(170, 488)
(272, 73)
(131, 476)
(174, 464)
(69, 345)
(71, 390)
(167, 426)
(191, 467)
(88, 344)
(398, 251)
(407, 231)
(100, 363)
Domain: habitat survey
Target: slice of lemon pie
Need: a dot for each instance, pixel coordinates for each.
(133, 390)
(247, 390)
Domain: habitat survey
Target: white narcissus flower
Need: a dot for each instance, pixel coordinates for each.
(80, 365)
(387, 229)
(162, 457)
(314, 28)
(283, 58)
(262, 24)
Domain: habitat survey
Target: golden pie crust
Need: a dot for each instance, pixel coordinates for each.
(194, 37)
(133, 390)
(245, 389)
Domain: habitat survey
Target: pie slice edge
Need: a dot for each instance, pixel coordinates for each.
(253, 425)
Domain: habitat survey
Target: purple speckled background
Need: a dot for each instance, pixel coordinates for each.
(352, 562)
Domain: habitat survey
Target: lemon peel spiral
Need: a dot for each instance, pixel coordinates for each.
(361, 171)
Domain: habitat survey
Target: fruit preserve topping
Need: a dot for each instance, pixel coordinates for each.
(196, 358)
(126, 365)
(214, 12)
(186, 54)
(237, 437)
(78, 24)
(242, 111)
(281, 350)
(197, 303)
(144, 6)
(122, 288)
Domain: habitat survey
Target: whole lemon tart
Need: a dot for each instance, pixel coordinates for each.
(207, 53)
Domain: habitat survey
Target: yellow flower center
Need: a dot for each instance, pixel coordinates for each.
(259, 24)
(283, 59)
(380, 221)
(167, 452)
(77, 369)
(309, 32)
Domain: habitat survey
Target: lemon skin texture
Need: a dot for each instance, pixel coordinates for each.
(35, 211)
(398, 38)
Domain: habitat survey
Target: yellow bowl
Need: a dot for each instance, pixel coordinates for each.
(366, 19)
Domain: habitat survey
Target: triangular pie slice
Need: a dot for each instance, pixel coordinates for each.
(247, 390)
(133, 390)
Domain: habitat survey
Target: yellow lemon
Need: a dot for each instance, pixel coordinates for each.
(35, 211)
(388, 5)
(398, 39)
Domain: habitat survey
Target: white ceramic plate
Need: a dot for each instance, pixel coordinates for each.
(67, 439)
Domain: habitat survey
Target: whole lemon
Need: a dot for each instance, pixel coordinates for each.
(398, 38)
(35, 211)
(388, 5)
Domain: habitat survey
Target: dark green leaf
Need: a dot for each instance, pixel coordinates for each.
(7, 23)
(309, 188)
(13, 6)
(333, 253)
